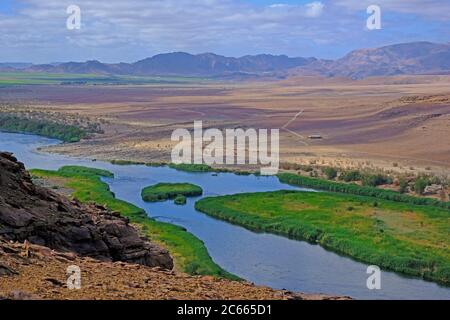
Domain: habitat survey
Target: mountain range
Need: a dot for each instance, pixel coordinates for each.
(398, 59)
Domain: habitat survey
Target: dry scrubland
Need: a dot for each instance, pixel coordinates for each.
(396, 123)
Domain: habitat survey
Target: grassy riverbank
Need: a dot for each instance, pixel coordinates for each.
(165, 191)
(354, 189)
(66, 133)
(398, 236)
(189, 252)
(187, 167)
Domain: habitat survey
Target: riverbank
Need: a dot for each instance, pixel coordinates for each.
(354, 189)
(188, 251)
(63, 132)
(261, 258)
(397, 236)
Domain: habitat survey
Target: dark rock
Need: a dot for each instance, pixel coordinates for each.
(54, 282)
(6, 271)
(29, 212)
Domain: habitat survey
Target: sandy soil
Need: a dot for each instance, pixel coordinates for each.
(40, 273)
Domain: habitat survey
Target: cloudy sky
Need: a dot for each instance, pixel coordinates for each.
(130, 30)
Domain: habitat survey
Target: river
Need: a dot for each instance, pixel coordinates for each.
(261, 258)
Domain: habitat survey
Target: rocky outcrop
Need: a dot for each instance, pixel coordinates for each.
(40, 216)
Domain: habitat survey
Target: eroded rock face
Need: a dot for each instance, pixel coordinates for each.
(29, 212)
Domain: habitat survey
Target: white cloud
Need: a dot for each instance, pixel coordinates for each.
(314, 9)
(158, 25)
(118, 30)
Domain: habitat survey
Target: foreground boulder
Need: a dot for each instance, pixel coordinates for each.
(40, 216)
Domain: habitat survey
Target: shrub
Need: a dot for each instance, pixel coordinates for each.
(403, 184)
(374, 180)
(331, 173)
(350, 176)
(420, 185)
(180, 200)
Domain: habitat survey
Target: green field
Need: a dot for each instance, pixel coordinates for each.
(189, 253)
(406, 238)
(166, 191)
(27, 78)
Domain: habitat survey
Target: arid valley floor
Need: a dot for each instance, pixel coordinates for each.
(396, 123)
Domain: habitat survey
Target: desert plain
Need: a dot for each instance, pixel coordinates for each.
(397, 123)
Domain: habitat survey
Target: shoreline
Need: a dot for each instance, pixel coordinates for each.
(310, 233)
(312, 291)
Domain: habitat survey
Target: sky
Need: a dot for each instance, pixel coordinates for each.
(130, 30)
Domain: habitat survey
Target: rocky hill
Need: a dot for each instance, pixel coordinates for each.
(40, 216)
(399, 59)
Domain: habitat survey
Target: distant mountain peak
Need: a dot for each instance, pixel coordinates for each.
(420, 57)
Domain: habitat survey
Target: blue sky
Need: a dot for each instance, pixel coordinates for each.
(6, 6)
(117, 30)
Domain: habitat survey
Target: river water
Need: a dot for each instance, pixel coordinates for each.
(261, 258)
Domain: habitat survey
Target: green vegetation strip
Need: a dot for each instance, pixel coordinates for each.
(191, 167)
(398, 236)
(66, 133)
(165, 191)
(31, 78)
(199, 168)
(189, 252)
(354, 189)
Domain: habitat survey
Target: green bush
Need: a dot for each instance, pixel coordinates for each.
(420, 185)
(403, 184)
(180, 200)
(374, 180)
(165, 191)
(331, 173)
(350, 176)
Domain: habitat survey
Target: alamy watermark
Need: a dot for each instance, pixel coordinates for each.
(236, 147)
(74, 279)
(374, 20)
(73, 22)
(374, 280)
